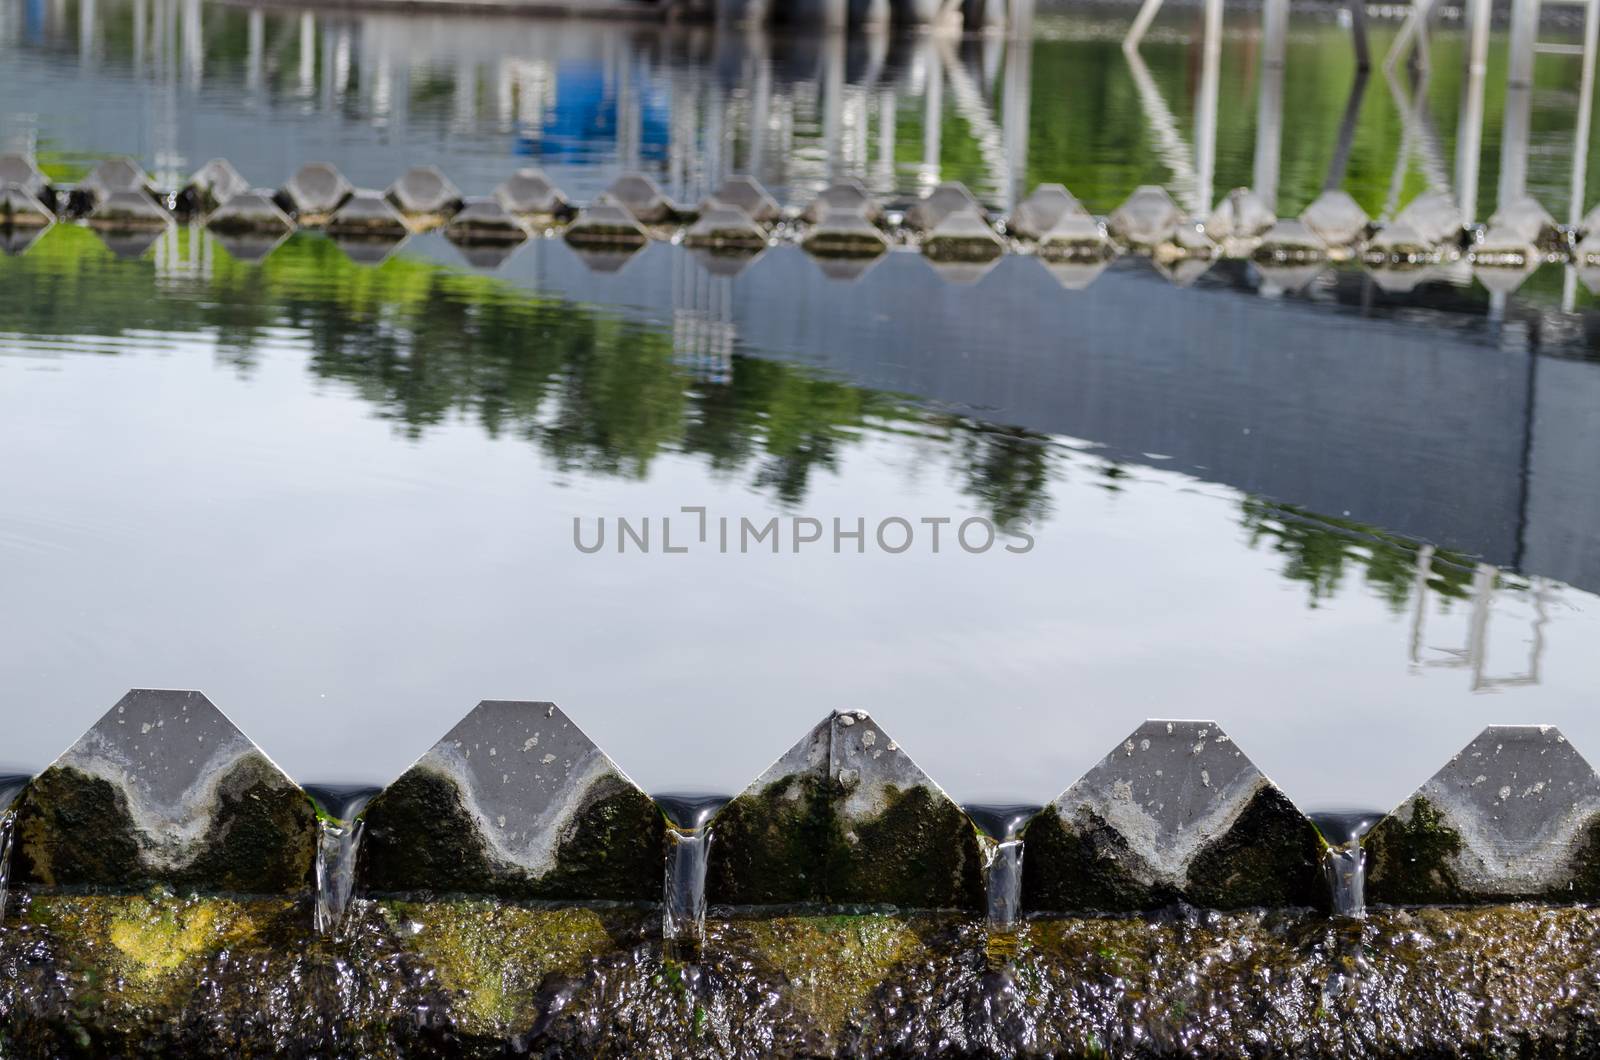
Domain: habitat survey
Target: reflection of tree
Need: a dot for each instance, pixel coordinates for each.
(1007, 468)
(426, 346)
(1318, 550)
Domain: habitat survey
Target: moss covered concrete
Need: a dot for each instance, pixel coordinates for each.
(163, 974)
(789, 843)
(75, 831)
(420, 837)
(493, 956)
(1270, 856)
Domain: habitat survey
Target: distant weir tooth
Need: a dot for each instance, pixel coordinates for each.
(1147, 218)
(951, 197)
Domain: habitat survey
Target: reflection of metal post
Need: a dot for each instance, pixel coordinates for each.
(760, 112)
(86, 23)
(1478, 628)
(255, 41)
(308, 53)
(1141, 24)
(1015, 105)
(1519, 101)
(1205, 106)
(1358, 34)
(832, 88)
(1340, 162)
(932, 116)
(194, 44)
(1269, 108)
(140, 19)
(1580, 144)
(1469, 140)
(1419, 588)
(885, 182)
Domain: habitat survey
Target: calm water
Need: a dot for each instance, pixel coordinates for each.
(1353, 526)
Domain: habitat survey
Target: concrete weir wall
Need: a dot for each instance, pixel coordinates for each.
(1174, 902)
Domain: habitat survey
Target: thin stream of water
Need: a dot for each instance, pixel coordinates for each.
(683, 897)
(1345, 863)
(1002, 845)
(339, 828)
(10, 790)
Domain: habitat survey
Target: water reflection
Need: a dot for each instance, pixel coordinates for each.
(1199, 106)
(432, 549)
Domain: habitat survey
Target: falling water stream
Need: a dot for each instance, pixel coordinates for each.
(1002, 852)
(683, 900)
(11, 786)
(1345, 863)
(339, 827)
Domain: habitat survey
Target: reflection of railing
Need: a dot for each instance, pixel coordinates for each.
(1474, 656)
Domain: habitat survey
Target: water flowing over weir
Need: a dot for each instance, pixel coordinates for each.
(859, 910)
(1002, 869)
(339, 828)
(1345, 863)
(10, 789)
(683, 900)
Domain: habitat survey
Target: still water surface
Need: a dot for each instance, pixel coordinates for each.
(1352, 526)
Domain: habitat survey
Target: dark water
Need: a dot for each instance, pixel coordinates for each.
(1352, 526)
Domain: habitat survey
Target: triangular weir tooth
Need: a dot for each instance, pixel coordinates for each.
(515, 799)
(1176, 811)
(1513, 814)
(845, 816)
(176, 766)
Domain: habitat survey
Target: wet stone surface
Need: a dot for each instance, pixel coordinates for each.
(845, 816)
(223, 977)
(1515, 815)
(165, 789)
(1176, 812)
(514, 801)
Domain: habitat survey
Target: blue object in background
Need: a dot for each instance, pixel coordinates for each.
(582, 125)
